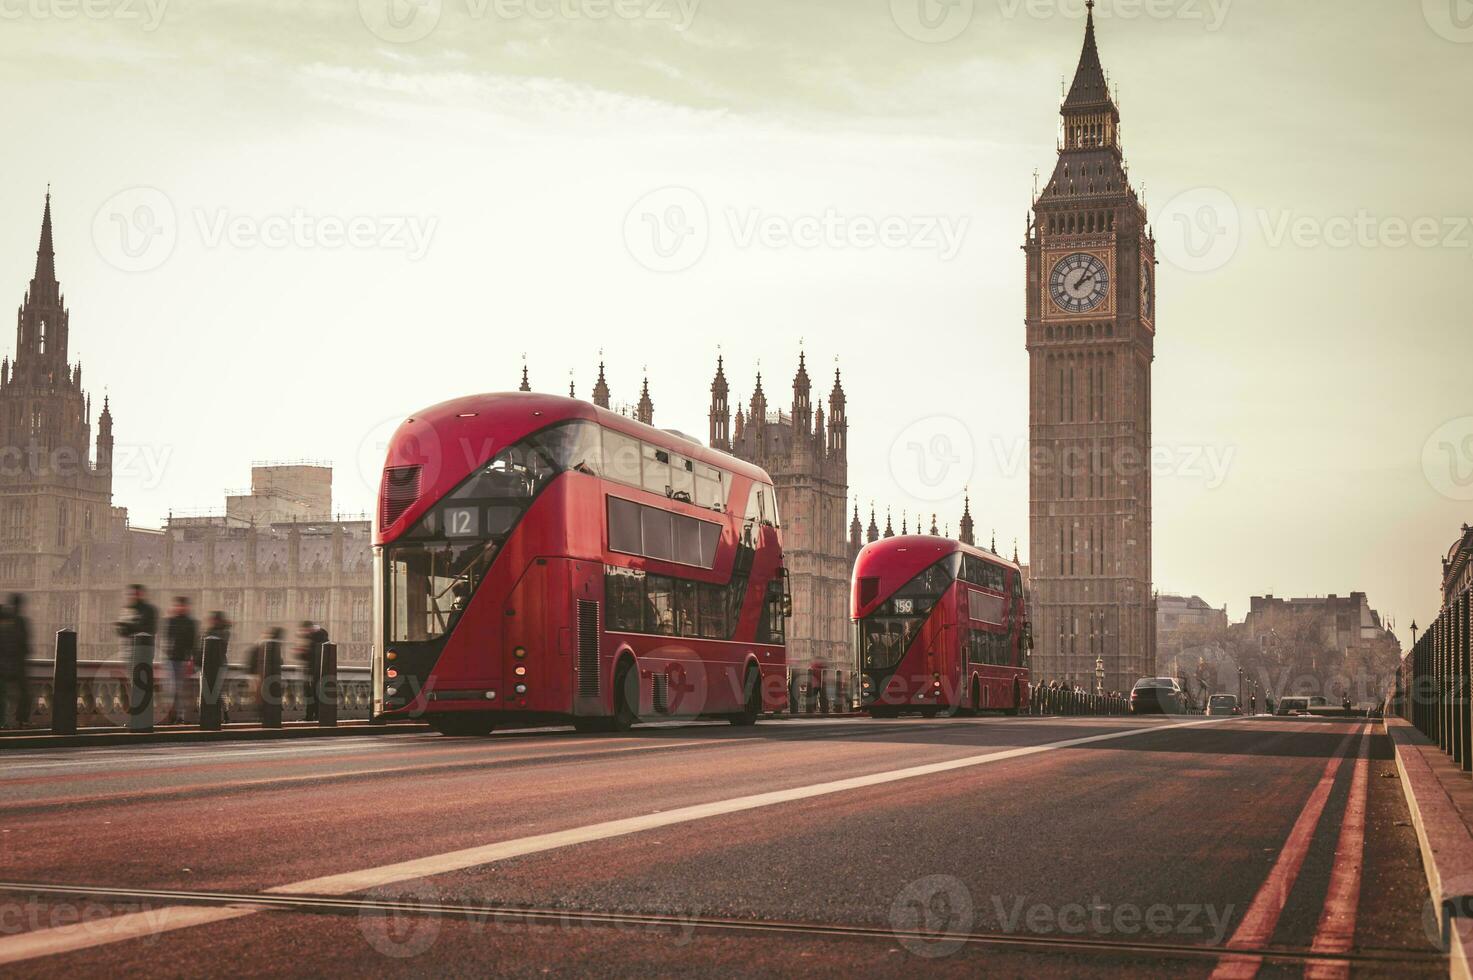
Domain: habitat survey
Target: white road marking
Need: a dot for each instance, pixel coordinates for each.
(112, 929)
(51, 942)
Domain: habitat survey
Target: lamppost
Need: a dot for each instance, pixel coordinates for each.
(1240, 686)
(1100, 674)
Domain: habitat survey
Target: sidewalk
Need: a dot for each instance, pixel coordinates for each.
(1440, 797)
(183, 734)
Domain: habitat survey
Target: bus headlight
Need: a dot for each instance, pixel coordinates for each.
(521, 689)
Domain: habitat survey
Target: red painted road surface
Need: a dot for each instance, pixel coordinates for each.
(1080, 847)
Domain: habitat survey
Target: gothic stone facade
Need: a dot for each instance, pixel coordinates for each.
(54, 495)
(807, 455)
(1090, 337)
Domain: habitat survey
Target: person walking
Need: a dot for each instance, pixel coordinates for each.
(218, 626)
(310, 638)
(141, 616)
(21, 639)
(12, 672)
(181, 647)
(256, 666)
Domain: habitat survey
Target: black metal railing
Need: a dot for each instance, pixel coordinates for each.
(1432, 685)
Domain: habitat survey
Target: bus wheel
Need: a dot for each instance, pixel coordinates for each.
(625, 713)
(752, 704)
(465, 724)
(1017, 697)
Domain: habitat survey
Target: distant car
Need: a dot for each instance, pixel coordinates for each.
(1224, 704)
(1316, 701)
(1293, 706)
(1157, 696)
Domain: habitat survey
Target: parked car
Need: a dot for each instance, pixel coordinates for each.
(1224, 704)
(1157, 696)
(1293, 706)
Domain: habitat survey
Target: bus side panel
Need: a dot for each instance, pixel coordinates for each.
(536, 604)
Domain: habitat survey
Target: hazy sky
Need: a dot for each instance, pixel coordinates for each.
(282, 226)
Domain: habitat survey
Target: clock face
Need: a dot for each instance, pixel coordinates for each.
(1148, 299)
(1079, 282)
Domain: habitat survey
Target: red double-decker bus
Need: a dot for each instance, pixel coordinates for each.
(539, 559)
(940, 627)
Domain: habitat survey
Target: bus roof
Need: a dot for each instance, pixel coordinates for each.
(451, 439)
(924, 549)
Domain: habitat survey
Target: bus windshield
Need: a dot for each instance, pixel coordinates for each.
(430, 575)
(885, 636)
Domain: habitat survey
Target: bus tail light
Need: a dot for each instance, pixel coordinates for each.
(521, 670)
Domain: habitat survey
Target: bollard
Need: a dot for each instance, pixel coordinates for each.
(327, 687)
(140, 685)
(211, 683)
(64, 685)
(270, 694)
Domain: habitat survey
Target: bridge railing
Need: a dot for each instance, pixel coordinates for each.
(102, 693)
(1432, 685)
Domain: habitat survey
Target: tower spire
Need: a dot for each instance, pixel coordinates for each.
(601, 387)
(964, 529)
(646, 410)
(45, 253)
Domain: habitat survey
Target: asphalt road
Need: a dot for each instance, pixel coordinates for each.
(1079, 847)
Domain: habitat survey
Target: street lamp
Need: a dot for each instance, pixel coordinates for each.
(1100, 674)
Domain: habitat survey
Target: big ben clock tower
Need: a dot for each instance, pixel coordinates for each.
(1091, 331)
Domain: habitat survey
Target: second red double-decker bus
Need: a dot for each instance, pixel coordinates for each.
(539, 559)
(940, 626)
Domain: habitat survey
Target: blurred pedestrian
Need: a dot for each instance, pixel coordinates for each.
(21, 640)
(181, 646)
(218, 626)
(12, 673)
(310, 638)
(141, 616)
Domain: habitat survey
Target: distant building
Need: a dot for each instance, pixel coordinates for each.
(55, 493)
(1091, 329)
(273, 557)
(1457, 568)
(807, 455)
(1175, 613)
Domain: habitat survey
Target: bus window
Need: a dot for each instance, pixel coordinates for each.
(682, 480)
(624, 526)
(621, 458)
(624, 599)
(656, 471)
(659, 605)
(687, 540)
(772, 625)
(762, 505)
(711, 611)
(710, 492)
(685, 607)
(657, 536)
